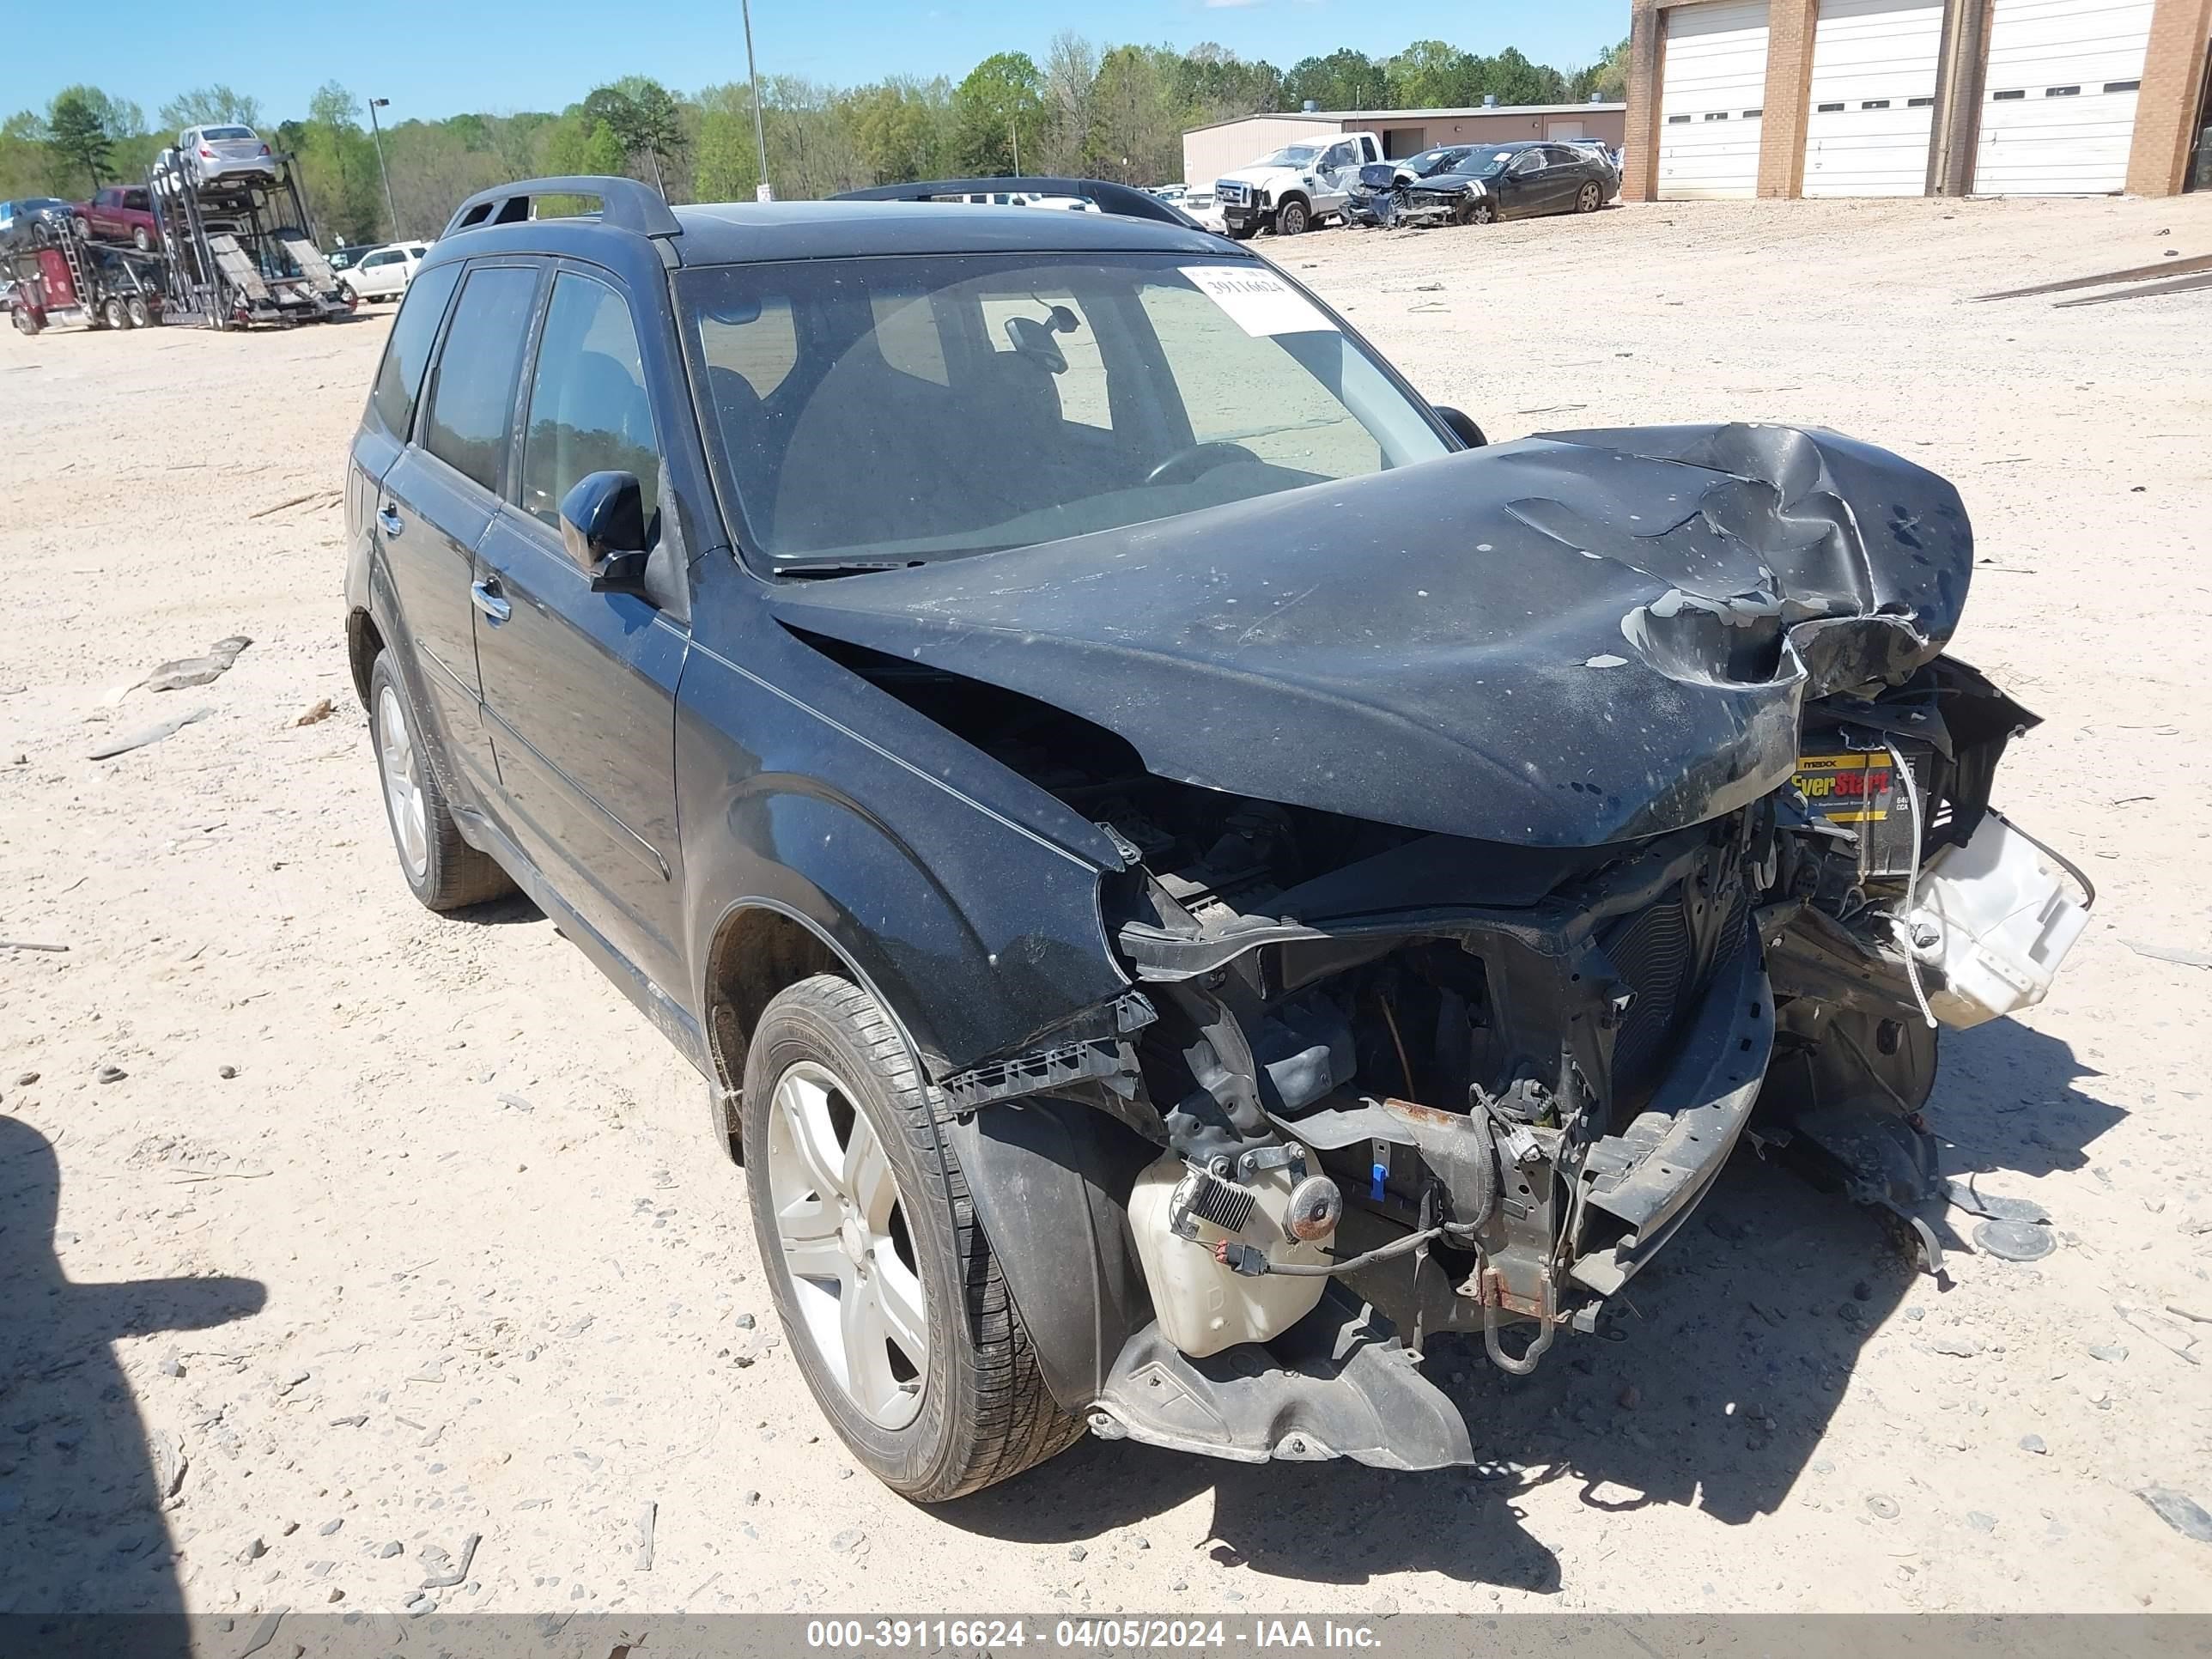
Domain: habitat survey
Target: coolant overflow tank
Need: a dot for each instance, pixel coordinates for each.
(1203, 1304)
(1994, 920)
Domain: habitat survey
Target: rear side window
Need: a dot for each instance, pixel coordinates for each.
(473, 399)
(588, 408)
(407, 353)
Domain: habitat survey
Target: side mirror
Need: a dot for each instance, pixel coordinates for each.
(603, 529)
(1463, 427)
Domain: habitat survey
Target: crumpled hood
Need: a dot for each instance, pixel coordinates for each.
(1579, 638)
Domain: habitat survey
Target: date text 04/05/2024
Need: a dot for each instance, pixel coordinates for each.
(1115, 1635)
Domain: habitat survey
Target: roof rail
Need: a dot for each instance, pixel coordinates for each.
(1108, 198)
(624, 203)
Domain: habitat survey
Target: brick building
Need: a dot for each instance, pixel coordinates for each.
(1738, 98)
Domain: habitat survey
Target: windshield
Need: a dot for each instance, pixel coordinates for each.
(882, 411)
(1483, 161)
(1291, 156)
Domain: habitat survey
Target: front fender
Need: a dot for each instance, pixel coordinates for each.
(976, 931)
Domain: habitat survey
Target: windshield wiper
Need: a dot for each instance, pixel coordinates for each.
(840, 566)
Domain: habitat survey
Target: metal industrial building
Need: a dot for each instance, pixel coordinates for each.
(1210, 151)
(1738, 98)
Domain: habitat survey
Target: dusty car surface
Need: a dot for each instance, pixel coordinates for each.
(1186, 873)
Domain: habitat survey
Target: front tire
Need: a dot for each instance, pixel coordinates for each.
(889, 1292)
(1293, 218)
(140, 239)
(443, 871)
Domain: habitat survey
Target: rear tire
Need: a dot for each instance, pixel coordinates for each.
(140, 239)
(118, 316)
(837, 1122)
(141, 313)
(442, 869)
(1589, 198)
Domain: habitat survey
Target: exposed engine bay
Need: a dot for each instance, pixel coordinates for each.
(1383, 1080)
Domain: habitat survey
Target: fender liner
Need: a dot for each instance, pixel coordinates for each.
(1049, 1179)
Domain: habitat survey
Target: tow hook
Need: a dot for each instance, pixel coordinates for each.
(1492, 1293)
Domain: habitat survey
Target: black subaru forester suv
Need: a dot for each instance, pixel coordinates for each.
(1186, 873)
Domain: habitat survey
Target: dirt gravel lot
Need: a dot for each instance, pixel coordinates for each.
(394, 1229)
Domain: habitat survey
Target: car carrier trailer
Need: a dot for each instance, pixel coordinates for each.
(52, 275)
(241, 251)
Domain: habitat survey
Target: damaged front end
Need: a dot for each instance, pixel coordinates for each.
(1469, 927)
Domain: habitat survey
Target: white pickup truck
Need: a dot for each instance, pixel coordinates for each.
(1297, 187)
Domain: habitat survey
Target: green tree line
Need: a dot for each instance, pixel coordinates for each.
(1108, 111)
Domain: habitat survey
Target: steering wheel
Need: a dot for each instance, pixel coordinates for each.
(1194, 461)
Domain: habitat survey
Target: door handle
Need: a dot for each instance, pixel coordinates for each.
(485, 596)
(388, 519)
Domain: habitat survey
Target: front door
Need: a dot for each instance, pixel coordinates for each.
(581, 687)
(1521, 185)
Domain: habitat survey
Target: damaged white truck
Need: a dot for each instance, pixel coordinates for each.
(1188, 873)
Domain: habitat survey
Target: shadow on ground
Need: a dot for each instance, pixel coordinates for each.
(80, 1485)
(1712, 1388)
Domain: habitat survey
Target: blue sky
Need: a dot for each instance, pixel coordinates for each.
(436, 57)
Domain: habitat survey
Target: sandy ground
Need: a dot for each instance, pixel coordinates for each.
(476, 1270)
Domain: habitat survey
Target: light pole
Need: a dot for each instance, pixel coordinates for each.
(377, 133)
(763, 191)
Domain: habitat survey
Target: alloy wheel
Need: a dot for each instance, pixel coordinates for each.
(403, 784)
(841, 1220)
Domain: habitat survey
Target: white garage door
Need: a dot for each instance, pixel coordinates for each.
(2058, 102)
(1714, 87)
(1873, 97)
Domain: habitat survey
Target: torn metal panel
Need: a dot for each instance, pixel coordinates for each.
(1573, 639)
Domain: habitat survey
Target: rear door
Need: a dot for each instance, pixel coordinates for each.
(441, 493)
(580, 687)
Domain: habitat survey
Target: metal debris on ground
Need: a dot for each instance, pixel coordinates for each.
(198, 670)
(2180, 1511)
(2014, 1241)
(2169, 953)
(2106, 279)
(144, 735)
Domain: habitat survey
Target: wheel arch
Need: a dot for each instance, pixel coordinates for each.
(364, 642)
(762, 946)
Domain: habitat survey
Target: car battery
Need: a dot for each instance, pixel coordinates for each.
(1858, 789)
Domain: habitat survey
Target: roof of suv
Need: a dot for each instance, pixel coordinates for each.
(745, 232)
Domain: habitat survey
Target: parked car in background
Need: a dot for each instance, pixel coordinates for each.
(1381, 175)
(17, 218)
(1514, 181)
(120, 213)
(1295, 188)
(383, 273)
(225, 156)
(342, 258)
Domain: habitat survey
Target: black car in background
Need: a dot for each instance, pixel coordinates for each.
(1396, 175)
(1514, 181)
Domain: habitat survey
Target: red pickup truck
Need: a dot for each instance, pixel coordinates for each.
(119, 213)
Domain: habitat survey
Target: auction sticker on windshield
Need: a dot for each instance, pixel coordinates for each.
(1257, 300)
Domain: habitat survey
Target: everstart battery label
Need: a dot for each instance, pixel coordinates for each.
(1848, 789)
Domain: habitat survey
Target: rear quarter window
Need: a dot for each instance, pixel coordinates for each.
(407, 353)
